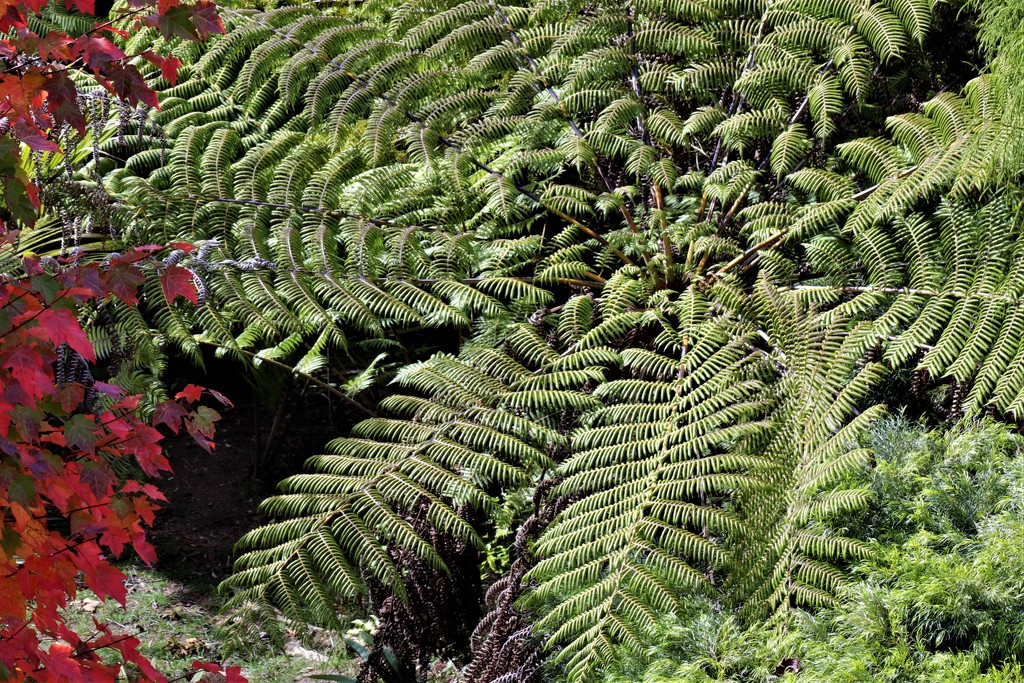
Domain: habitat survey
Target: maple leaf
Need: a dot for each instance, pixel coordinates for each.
(85, 276)
(11, 16)
(21, 493)
(169, 69)
(207, 666)
(123, 282)
(224, 400)
(70, 396)
(142, 443)
(127, 401)
(174, 23)
(190, 393)
(60, 326)
(206, 19)
(12, 603)
(22, 94)
(80, 432)
(103, 578)
(232, 674)
(170, 414)
(203, 420)
(33, 136)
(30, 371)
(21, 199)
(176, 281)
(126, 82)
(98, 477)
(52, 46)
(46, 286)
(135, 254)
(150, 491)
(129, 649)
(205, 443)
(83, 6)
(20, 195)
(168, 65)
(57, 662)
(62, 101)
(97, 52)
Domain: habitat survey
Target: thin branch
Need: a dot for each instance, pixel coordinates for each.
(909, 291)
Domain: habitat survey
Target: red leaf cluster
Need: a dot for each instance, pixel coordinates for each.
(37, 94)
(64, 512)
(56, 451)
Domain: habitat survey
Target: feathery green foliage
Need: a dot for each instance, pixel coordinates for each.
(681, 243)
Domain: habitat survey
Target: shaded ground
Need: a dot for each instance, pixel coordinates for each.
(212, 502)
(213, 498)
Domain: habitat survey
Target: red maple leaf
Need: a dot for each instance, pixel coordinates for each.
(11, 16)
(169, 414)
(176, 281)
(190, 393)
(206, 19)
(224, 400)
(126, 82)
(83, 6)
(70, 396)
(105, 580)
(174, 23)
(58, 663)
(169, 69)
(62, 101)
(22, 94)
(168, 65)
(52, 46)
(30, 370)
(97, 52)
(80, 432)
(128, 647)
(33, 136)
(60, 325)
(123, 282)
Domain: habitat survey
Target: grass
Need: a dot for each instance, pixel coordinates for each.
(175, 623)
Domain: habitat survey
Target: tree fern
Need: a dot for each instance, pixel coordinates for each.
(464, 440)
(642, 532)
(668, 234)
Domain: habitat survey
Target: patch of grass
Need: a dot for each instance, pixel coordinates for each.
(176, 625)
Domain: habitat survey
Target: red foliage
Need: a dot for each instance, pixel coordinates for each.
(59, 435)
(177, 281)
(37, 96)
(63, 511)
